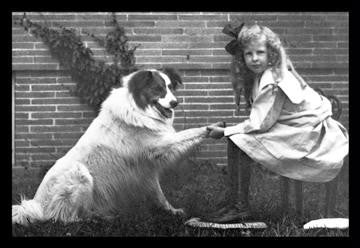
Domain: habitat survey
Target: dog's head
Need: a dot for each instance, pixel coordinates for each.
(155, 89)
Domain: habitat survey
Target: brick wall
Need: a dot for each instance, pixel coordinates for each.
(48, 120)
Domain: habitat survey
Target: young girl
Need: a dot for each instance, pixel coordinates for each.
(289, 130)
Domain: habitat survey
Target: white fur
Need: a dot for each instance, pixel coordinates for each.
(119, 156)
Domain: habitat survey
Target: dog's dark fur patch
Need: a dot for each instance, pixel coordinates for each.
(147, 87)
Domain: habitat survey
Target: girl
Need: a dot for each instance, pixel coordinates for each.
(289, 130)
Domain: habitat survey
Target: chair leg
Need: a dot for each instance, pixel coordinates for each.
(330, 198)
(284, 191)
(233, 153)
(299, 198)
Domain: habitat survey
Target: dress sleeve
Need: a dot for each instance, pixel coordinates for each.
(264, 113)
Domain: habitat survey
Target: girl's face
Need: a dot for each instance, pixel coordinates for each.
(256, 55)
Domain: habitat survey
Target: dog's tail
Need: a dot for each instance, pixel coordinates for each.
(27, 212)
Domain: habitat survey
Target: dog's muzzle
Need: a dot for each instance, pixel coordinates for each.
(166, 112)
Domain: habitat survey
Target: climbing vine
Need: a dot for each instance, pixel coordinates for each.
(94, 78)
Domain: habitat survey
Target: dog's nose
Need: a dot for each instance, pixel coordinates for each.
(173, 104)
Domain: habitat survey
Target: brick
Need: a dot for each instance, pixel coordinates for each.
(222, 106)
(136, 24)
(195, 80)
(48, 156)
(193, 107)
(21, 87)
(209, 59)
(331, 38)
(191, 93)
(152, 17)
(22, 143)
(21, 115)
(206, 86)
(216, 24)
(76, 135)
(34, 122)
(23, 108)
(48, 142)
(72, 121)
(22, 101)
(33, 136)
(49, 87)
(35, 150)
(208, 113)
(220, 93)
(209, 99)
(89, 114)
(163, 59)
(209, 44)
(56, 101)
(186, 52)
(204, 17)
(46, 129)
(220, 79)
(22, 60)
(22, 45)
(145, 38)
(148, 52)
(343, 45)
(35, 67)
(36, 80)
(45, 59)
(192, 120)
(21, 129)
(186, 38)
(34, 94)
(162, 31)
(175, 24)
(203, 31)
(20, 53)
(55, 115)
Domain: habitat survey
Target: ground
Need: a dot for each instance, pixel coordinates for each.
(199, 188)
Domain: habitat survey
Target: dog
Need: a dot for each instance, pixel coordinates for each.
(121, 154)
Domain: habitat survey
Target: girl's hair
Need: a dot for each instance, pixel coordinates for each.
(242, 77)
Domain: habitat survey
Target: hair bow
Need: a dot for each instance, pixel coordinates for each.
(232, 31)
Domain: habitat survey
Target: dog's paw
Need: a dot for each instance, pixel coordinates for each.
(178, 211)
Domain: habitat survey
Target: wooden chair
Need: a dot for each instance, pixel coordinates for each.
(331, 187)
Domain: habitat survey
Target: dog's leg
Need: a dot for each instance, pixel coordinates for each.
(163, 202)
(174, 146)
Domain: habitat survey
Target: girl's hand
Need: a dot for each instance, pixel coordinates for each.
(215, 132)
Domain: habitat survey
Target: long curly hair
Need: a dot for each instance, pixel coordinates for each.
(241, 77)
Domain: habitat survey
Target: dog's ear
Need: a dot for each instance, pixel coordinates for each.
(139, 81)
(174, 76)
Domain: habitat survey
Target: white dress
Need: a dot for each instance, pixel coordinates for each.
(290, 131)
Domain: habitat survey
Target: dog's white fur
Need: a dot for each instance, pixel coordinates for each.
(122, 153)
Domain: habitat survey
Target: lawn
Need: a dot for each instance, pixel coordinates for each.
(199, 188)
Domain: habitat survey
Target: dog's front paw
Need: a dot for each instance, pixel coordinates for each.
(178, 211)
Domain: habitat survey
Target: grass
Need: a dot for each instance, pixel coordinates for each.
(199, 188)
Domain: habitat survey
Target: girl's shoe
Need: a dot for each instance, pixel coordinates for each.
(236, 213)
(221, 211)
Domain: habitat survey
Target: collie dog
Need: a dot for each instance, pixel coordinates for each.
(122, 153)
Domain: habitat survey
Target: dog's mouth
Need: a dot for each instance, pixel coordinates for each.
(166, 112)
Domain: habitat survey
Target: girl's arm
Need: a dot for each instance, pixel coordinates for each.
(264, 113)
